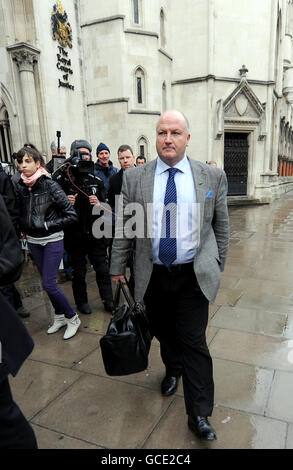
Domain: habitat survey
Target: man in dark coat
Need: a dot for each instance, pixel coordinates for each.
(126, 160)
(104, 168)
(16, 343)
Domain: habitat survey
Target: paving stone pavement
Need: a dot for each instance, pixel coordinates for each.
(72, 404)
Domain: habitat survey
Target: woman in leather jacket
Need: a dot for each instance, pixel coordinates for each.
(45, 211)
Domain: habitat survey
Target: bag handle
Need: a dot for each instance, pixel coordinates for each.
(125, 293)
(117, 295)
(120, 287)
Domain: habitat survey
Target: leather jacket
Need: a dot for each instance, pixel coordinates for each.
(45, 209)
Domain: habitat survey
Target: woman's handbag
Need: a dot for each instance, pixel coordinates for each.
(126, 345)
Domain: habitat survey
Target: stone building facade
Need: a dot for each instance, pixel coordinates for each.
(105, 71)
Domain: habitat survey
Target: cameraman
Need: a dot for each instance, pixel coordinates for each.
(84, 190)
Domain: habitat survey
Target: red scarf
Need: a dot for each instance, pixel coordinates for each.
(30, 180)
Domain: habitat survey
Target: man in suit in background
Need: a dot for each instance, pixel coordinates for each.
(126, 160)
(178, 262)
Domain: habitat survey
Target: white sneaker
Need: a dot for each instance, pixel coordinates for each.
(59, 322)
(72, 326)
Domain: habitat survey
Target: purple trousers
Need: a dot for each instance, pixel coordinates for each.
(48, 259)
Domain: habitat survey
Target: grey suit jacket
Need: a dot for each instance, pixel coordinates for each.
(138, 186)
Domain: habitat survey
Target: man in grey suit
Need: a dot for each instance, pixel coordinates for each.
(178, 260)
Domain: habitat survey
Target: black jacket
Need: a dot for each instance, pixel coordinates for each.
(82, 184)
(8, 193)
(11, 257)
(16, 344)
(115, 185)
(46, 202)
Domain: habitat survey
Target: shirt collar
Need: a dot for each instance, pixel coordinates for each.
(162, 166)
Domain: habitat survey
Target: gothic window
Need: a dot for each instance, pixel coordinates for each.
(281, 141)
(162, 28)
(137, 11)
(286, 139)
(140, 86)
(5, 137)
(143, 147)
(164, 97)
(139, 90)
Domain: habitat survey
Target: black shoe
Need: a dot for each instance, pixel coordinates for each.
(23, 312)
(84, 308)
(202, 428)
(169, 385)
(108, 306)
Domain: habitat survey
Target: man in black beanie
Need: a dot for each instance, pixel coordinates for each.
(104, 168)
(84, 191)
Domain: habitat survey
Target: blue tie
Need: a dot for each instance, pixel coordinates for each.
(168, 246)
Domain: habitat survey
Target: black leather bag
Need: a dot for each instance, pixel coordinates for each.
(126, 345)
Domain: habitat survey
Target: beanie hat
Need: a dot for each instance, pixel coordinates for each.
(78, 144)
(101, 147)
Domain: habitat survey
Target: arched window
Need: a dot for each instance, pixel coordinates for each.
(5, 137)
(142, 150)
(164, 97)
(282, 137)
(162, 28)
(137, 12)
(140, 86)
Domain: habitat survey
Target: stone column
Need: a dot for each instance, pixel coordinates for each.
(26, 57)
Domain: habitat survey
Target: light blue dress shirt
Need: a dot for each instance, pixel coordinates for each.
(187, 210)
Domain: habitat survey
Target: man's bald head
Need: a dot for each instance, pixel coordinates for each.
(172, 136)
(174, 113)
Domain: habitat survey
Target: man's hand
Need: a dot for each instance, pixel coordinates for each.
(94, 201)
(72, 198)
(118, 278)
